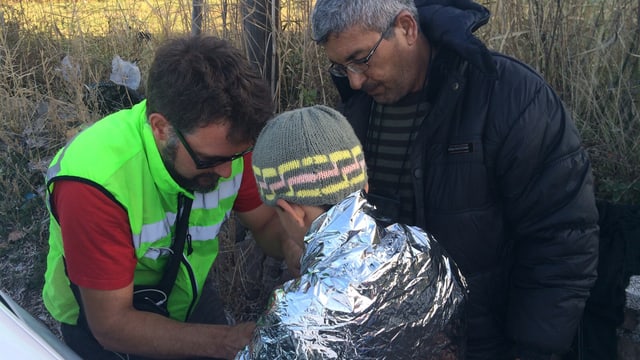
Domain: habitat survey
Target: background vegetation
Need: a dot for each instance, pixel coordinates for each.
(587, 49)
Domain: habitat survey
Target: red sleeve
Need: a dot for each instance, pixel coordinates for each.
(98, 249)
(248, 197)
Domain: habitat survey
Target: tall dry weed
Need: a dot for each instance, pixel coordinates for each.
(589, 51)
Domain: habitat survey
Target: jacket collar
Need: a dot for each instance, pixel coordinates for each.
(451, 23)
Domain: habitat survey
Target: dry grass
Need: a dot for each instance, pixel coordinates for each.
(587, 49)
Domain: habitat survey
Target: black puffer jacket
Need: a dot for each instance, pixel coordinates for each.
(502, 181)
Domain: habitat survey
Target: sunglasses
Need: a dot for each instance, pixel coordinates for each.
(212, 161)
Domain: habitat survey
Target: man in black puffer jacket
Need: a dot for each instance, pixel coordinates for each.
(476, 148)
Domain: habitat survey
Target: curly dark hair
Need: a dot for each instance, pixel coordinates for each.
(199, 80)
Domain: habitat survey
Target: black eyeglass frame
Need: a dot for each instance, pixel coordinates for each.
(359, 66)
(212, 161)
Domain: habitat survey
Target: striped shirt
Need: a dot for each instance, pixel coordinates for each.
(392, 130)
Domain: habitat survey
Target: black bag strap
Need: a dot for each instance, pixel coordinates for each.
(177, 247)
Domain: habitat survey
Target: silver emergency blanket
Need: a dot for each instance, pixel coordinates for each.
(368, 290)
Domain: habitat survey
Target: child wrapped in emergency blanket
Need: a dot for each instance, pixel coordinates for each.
(368, 288)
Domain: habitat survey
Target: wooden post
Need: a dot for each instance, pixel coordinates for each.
(196, 17)
(261, 24)
(3, 30)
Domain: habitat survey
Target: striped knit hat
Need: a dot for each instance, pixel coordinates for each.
(308, 156)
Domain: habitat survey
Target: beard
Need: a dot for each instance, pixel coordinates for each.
(202, 183)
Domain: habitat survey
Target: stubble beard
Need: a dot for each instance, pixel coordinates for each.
(203, 183)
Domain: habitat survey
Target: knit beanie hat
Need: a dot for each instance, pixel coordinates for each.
(308, 156)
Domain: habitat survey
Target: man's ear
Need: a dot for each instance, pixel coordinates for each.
(296, 212)
(160, 126)
(408, 26)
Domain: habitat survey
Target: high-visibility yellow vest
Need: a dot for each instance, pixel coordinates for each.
(118, 154)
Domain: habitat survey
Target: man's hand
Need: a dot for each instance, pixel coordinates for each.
(266, 229)
(119, 327)
(237, 338)
(292, 254)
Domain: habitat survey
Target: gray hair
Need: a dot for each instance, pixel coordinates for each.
(335, 16)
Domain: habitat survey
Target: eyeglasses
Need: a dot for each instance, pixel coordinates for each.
(358, 66)
(212, 161)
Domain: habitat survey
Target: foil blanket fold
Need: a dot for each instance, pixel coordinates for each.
(368, 290)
